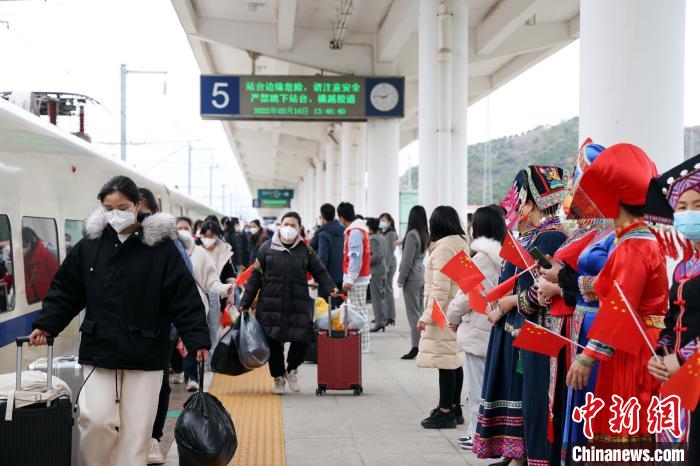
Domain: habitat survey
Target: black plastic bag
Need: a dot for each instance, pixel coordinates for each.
(224, 359)
(204, 432)
(251, 342)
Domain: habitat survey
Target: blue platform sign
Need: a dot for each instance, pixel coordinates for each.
(219, 96)
(303, 98)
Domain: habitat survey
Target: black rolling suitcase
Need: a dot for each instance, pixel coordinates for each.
(38, 434)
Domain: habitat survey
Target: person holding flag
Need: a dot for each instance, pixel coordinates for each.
(632, 288)
(570, 281)
(472, 326)
(531, 205)
(437, 347)
(675, 197)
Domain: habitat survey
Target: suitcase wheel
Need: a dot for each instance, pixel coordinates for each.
(357, 390)
(321, 390)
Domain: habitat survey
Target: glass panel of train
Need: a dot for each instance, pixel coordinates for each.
(7, 288)
(73, 233)
(40, 250)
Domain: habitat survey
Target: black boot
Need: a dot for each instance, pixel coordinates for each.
(439, 420)
(377, 328)
(391, 322)
(411, 354)
(457, 410)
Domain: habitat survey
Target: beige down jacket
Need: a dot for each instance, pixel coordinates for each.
(475, 329)
(438, 347)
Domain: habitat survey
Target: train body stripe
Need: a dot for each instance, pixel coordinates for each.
(19, 326)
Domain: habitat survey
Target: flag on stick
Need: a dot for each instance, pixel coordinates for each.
(612, 324)
(438, 315)
(513, 252)
(685, 383)
(571, 252)
(502, 289)
(243, 278)
(462, 270)
(477, 303)
(538, 339)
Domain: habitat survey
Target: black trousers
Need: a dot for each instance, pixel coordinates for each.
(163, 400)
(451, 381)
(295, 357)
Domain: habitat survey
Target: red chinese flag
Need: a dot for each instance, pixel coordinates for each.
(501, 289)
(438, 315)
(539, 340)
(615, 325)
(462, 270)
(513, 252)
(571, 252)
(243, 278)
(477, 303)
(686, 383)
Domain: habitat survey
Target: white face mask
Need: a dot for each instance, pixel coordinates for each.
(253, 231)
(208, 242)
(288, 233)
(187, 234)
(120, 219)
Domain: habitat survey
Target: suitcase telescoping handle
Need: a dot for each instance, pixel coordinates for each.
(49, 366)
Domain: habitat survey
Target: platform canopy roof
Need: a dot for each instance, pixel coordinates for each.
(294, 37)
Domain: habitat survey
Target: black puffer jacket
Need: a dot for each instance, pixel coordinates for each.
(285, 309)
(132, 292)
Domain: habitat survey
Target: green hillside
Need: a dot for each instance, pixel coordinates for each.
(546, 145)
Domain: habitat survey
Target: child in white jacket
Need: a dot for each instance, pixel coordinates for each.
(474, 329)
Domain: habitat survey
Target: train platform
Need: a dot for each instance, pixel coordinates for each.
(381, 427)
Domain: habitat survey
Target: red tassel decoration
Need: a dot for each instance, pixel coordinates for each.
(659, 239)
(672, 247)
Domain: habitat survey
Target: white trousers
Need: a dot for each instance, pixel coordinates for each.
(117, 433)
(473, 378)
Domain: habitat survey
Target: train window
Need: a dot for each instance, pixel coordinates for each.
(40, 247)
(7, 288)
(73, 233)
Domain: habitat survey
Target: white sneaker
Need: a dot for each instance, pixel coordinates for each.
(192, 386)
(155, 456)
(293, 379)
(177, 378)
(279, 386)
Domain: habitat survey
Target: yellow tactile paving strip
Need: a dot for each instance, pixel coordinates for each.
(257, 415)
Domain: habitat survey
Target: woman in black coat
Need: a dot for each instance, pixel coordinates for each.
(133, 283)
(284, 308)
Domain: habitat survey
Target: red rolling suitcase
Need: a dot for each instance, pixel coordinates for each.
(339, 360)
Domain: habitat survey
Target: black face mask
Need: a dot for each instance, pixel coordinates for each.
(141, 216)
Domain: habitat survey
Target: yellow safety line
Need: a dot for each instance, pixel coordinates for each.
(257, 415)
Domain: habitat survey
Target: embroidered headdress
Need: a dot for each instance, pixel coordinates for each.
(545, 185)
(585, 156)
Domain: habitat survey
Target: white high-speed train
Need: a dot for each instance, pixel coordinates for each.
(49, 180)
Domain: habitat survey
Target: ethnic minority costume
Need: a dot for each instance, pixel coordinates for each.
(499, 431)
(580, 302)
(621, 175)
(681, 331)
(580, 284)
(511, 424)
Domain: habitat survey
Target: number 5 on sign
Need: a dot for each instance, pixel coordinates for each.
(219, 91)
(219, 96)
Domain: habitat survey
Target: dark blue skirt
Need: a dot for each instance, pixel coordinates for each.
(499, 431)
